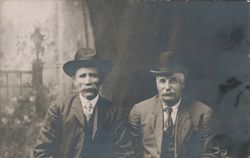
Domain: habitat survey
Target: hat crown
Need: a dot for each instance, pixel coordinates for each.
(87, 57)
(85, 54)
(166, 62)
(167, 59)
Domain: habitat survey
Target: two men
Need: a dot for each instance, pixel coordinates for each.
(170, 125)
(83, 125)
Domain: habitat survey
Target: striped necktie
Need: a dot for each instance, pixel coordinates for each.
(88, 110)
(169, 122)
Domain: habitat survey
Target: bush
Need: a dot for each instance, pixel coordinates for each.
(20, 122)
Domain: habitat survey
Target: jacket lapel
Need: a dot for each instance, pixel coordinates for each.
(183, 124)
(156, 122)
(78, 111)
(99, 112)
(99, 118)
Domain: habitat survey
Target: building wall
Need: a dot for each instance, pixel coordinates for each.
(52, 29)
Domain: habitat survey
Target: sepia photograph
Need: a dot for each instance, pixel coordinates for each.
(124, 79)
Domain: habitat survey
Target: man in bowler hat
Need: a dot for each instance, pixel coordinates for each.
(170, 124)
(83, 125)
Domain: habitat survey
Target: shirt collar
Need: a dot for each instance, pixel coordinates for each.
(174, 106)
(93, 101)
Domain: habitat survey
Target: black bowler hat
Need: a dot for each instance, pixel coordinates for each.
(168, 62)
(86, 57)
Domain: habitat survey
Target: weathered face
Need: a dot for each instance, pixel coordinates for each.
(87, 80)
(170, 87)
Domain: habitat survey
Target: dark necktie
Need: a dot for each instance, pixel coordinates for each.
(167, 148)
(169, 122)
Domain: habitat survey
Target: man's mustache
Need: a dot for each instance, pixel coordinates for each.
(168, 94)
(89, 88)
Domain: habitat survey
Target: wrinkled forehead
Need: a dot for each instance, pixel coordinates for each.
(171, 75)
(87, 70)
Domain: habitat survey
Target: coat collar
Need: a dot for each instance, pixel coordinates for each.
(92, 102)
(156, 121)
(182, 125)
(78, 111)
(100, 112)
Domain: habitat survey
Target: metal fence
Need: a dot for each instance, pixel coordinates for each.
(14, 83)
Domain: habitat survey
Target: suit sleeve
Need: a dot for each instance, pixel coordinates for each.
(122, 146)
(48, 141)
(135, 131)
(207, 128)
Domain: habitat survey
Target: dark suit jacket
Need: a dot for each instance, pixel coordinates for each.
(62, 134)
(193, 125)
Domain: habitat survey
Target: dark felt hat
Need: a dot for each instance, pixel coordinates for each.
(87, 57)
(168, 62)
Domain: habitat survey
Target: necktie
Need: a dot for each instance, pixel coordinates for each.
(169, 122)
(88, 110)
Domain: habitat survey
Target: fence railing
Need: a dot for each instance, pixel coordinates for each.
(12, 83)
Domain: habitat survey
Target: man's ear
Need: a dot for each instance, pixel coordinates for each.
(74, 80)
(183, 82)
(101, 78)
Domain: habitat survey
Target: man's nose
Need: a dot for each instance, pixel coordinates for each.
(167, 85)
(87, 80)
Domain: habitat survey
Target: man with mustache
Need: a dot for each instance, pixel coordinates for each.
(170, 124)
(83, 126)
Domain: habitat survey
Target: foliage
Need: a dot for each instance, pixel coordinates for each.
(20, 121)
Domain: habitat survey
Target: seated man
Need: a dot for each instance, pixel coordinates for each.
(83, 125)
(170, 124)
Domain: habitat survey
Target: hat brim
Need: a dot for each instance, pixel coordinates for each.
(71, 67)
(168, 71)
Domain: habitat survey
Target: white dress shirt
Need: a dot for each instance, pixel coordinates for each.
(85, 101)
(174, 111)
